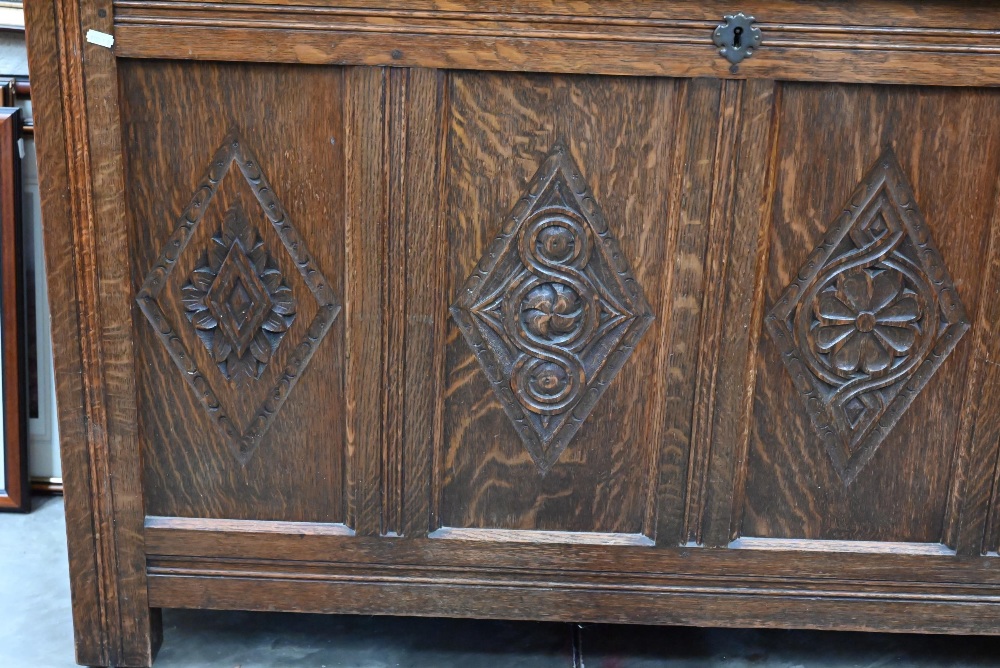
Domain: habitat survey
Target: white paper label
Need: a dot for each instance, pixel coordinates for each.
(100, 38)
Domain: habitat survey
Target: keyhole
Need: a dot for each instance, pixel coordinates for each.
(737, 38)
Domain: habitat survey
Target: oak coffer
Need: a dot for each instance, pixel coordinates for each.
(623, 311)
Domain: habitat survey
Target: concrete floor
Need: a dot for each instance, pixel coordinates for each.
(35, 632)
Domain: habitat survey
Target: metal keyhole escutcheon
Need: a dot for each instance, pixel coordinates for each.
(737, 37)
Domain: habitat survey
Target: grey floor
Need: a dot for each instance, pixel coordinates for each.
(35, 632)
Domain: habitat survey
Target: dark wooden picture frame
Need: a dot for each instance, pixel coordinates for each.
(14, 488)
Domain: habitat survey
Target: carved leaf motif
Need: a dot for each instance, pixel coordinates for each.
(238, 311)
(552, 311)
(871, 317)
(238, 303)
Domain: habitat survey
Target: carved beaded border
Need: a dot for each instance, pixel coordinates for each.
(233, 149)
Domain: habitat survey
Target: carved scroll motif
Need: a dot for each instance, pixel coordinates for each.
(552, 310)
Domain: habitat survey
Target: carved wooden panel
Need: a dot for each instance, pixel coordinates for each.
(683, 469)
(552, 310)
(236, 299)
(238, 231)
(870, 318)
(561, 197)
(864, 379)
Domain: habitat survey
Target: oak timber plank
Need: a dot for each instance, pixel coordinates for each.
(81, 176)
(815, 60)
(423, 304)
(366, 215)
(740, 309)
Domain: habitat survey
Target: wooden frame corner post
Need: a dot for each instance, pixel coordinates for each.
(90, 294)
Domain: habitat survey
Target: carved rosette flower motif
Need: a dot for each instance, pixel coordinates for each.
(552, 311)
(866, 322)
(871, 317)
(238, 303)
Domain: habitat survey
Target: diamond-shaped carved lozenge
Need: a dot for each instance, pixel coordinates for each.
(552, 311)
(237, 302)
(871, 317)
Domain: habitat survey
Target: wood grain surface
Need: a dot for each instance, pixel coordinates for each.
(902, 493)
(262, 225)
(87, 261)
(849, 586)
(89, 628)
(890, 41)
(502, 126)
(297, 471)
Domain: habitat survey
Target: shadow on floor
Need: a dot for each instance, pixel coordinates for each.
(264, 640)
(607, 646)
